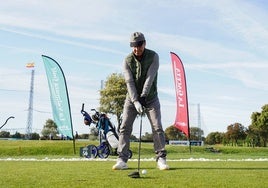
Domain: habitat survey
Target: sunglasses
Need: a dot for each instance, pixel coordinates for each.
(136, 44)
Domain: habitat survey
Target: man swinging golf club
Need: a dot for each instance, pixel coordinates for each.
(140, 71)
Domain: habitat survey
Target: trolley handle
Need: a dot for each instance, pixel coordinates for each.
(86, 115)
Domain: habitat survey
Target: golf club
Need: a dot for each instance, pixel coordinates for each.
(136, 174)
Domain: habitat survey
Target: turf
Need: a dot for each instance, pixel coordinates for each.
(100, 174)
(53, 164)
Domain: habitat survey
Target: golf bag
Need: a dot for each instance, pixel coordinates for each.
(107, 133)
(106, 129)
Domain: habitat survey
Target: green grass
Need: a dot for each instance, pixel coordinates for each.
(99, 174)
(92, 173)
(41, 148)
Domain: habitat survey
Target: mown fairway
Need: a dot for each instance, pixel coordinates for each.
(22, 167)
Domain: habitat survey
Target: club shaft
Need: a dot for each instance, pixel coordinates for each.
(139, 152)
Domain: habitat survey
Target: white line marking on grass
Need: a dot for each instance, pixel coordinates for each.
(145, 159)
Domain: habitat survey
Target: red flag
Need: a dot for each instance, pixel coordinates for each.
(182, 116)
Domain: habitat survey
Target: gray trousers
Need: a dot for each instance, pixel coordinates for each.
(154, 115)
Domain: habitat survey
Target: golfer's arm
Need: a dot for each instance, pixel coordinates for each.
(131, 88)
(152, 71)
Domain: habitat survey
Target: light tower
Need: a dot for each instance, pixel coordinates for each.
(28, 134)
(199, 121)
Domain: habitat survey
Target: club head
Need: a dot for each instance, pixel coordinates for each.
(134, 175)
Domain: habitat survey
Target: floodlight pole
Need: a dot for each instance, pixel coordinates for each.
(28, 134)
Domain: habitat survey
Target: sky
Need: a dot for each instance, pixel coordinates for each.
(222, 44)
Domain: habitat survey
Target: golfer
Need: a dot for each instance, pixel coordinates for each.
(140, 72)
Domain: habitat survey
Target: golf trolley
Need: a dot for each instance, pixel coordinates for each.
(108, 137)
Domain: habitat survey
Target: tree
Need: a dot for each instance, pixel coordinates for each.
(4, 134)
(16, 135)
(93, 133)
(84, 136)
(50, 129)
(214, 138)
(113, 95)
(259, 125)
(35, 136)
(236, 132)
(147, 137)
(253, 137)
(196, 133)
(172, 133)
(133, 138)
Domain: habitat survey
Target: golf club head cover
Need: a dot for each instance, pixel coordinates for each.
(87, 118)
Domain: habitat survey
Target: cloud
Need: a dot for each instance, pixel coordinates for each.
(246, 21)
(221, 43)
(63, 41)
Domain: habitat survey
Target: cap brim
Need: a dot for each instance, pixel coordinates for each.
(136, 44)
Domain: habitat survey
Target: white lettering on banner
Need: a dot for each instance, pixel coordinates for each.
(183, 124)
(178, 83)
(65, 127)
(57, 96)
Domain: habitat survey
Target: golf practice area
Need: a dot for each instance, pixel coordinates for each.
(27, 163)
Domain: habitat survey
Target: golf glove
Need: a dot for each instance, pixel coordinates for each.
(138, 107)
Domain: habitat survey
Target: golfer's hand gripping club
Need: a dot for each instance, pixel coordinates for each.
(138, 107)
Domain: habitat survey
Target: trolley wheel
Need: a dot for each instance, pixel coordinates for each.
(90, 151)
(103, 151)
(94, 151)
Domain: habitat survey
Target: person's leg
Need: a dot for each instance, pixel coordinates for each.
(129, 115)
(154, 115)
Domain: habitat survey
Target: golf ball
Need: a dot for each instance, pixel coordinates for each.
(144, 171)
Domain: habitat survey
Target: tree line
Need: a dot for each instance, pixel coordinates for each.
(256, 134)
